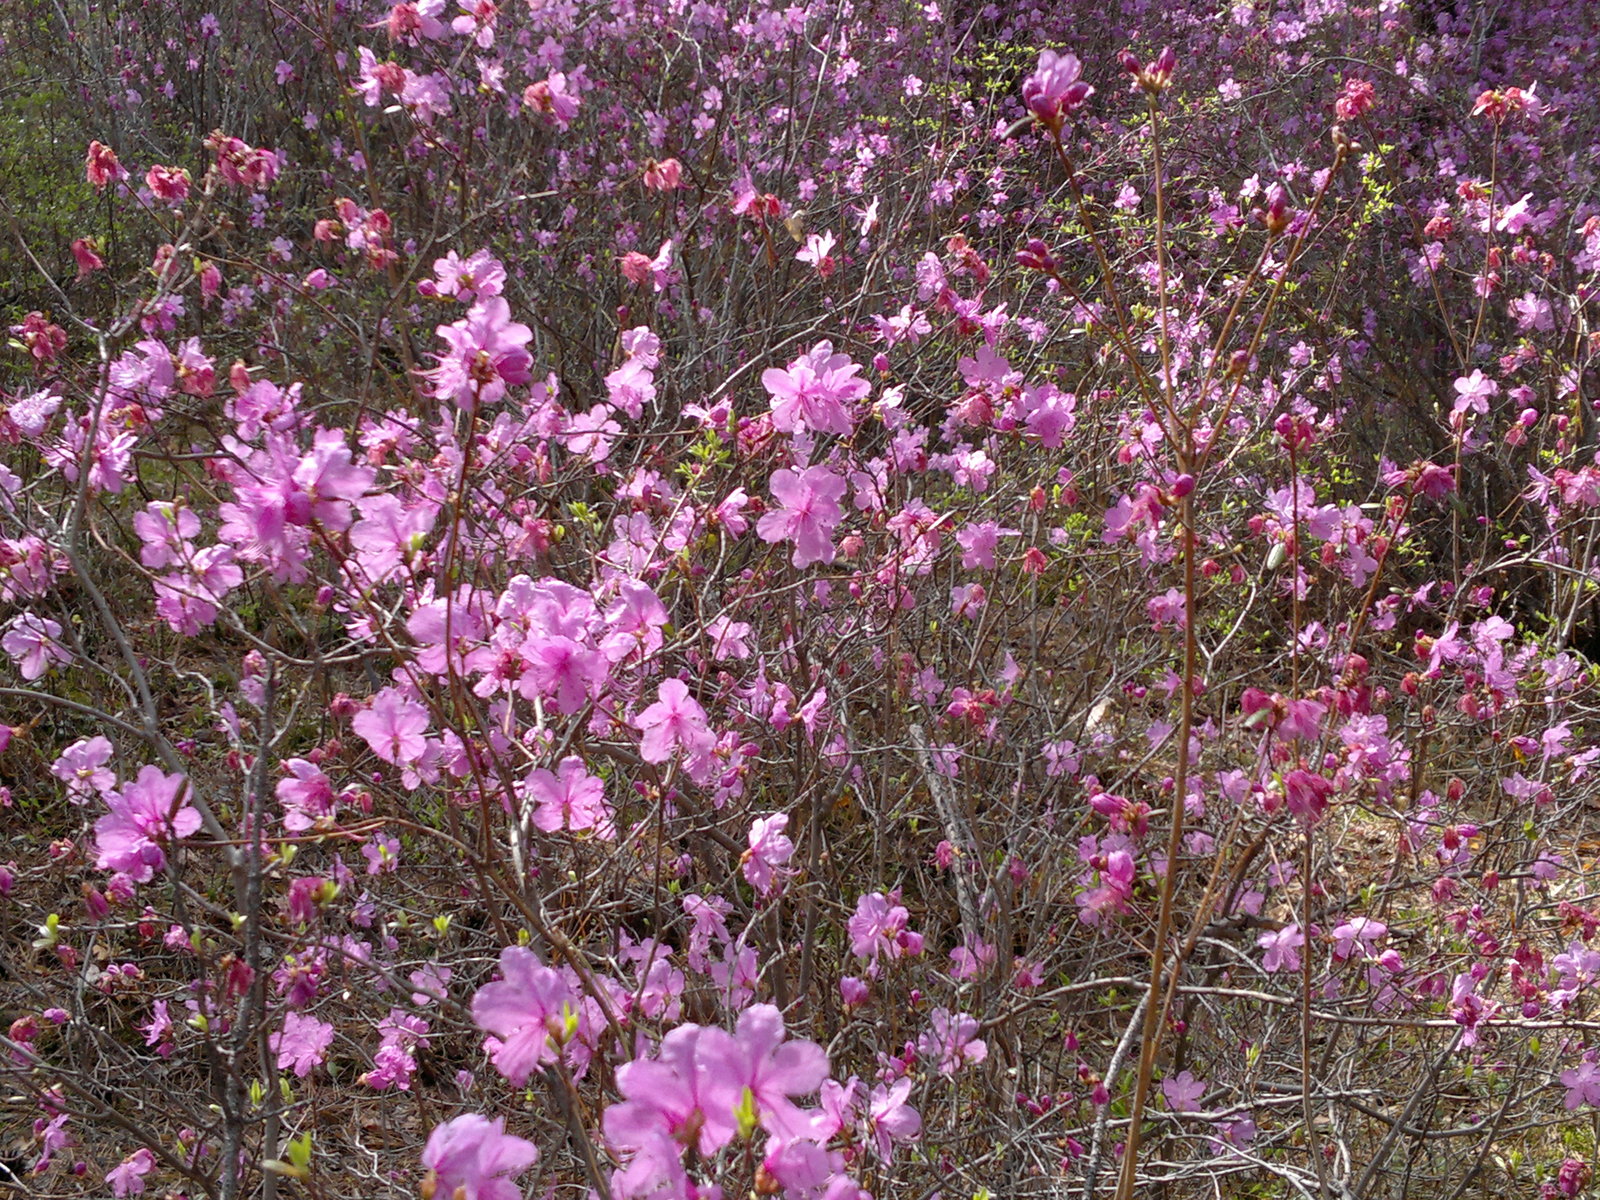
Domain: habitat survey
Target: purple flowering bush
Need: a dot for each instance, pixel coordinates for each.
(691, 601)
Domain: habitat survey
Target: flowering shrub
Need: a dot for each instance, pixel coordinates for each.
(690, 601)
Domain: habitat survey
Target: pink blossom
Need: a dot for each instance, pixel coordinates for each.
(663, 176)
(1356, 99)
(769, 850)
(675, 721)
(526, 1011)
(570, 798)
(889, 1119)
(1307, 794)
(100, 166)
(467, 279)
(1282, 947)
(486, 354)
(550, 97)
(32, 641)
(765, 1070)
(473, 1158)
(1583, 1085)
(82, 767)
(1054, 90)
(877, 927)
(302, 1044)
(951, 1039)
(393, 726)
(127, 1177)
(170, 185)
(1183, 1092)
(807, 514)
(1473, 392)
(146, 815)
(815, 392)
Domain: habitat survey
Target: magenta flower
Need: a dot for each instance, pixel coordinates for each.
(144, 816)
(1357, 934)
(486, 354)
(1473, 393)
(1306, 794)
(306, 795)
(551, 97)
(394, 727)
(526, 1011)
(1054, 90)
(1468, 1009)
(807, 514)
(564, 669)
(473, 1158)
(674, 721)
(302, 1044)
(1583, 1085)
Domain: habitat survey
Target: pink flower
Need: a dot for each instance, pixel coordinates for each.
(551, 97)
(978, 543)
(526, 1011)
(393, 726)
(144, 816)
(1474, 392)
(100, 166)
(486, 354)
(953, 1040)
(31, 640)
(473, 1158)
(818, 252)
(814, 392)
(242, 165)
(82, 767)
(809, 510)
(1469, 1010)
(876, 928)
(302, 1044)
(170, 185)
(640, 269)
(570, 798)
(1282, 947)
(1583, 1085)
(468, 279)
(127, 1178)
(1356, 99)
(769, 850)
(1183, 1092)
(890, 1119)
(1307, 794)
(674, 721)
(1358, 933)
(1054, 90)
(83, 253)
(764, 1070)
(663, 176)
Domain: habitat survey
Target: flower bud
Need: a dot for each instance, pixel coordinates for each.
(1036, 256)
